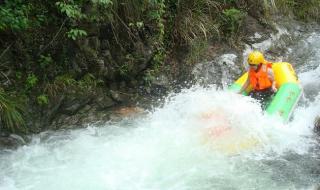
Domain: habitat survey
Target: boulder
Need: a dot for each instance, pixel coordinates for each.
(255, 31)
(129, 111)
(120, 97)
(104, 102)
(11, 142)
(217, 71)
(74, 104)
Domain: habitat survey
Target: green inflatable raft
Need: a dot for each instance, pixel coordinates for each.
(289, 90)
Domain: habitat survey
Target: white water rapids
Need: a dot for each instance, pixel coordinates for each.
(170, 149)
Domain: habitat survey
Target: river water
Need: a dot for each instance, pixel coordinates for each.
(183, 145)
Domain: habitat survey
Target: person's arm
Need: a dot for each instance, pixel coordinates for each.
(271, 77)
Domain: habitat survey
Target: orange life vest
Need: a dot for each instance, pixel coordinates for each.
(259, 80)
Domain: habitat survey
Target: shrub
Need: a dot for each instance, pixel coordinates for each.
(13, 15)
(233, 19)
(11, 112)
(76, 33)
(42, 100)
(31, 81)
(45, 60)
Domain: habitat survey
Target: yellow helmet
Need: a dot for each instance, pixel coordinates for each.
(255, 58)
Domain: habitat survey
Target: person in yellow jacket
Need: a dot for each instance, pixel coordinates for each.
(260, 77)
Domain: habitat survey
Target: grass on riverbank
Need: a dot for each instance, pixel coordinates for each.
(11, 113)
(304, 10)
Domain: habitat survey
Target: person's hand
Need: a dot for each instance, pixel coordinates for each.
(274, 89)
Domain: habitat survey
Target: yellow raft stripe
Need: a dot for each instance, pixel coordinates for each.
(284, 73)
(242, 80)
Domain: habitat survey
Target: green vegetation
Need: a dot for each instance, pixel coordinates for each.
(50, 48)
(42, 100)
(233, 19)
(305, 10)
(45, 61)
(66, 84)
(13, 15)
(11, 112)
(76, 34)
(31, 81)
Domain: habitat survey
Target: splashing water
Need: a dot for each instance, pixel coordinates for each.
(199, 139)
(167, 149)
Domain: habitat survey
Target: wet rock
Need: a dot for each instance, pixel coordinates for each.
(107, 68)
(73, 105)
(219, 71)
(121, 113)
(255, 31)
(114, 86)
(80, 62)
(85, 109)
(89, 117)
(94, 117)
(91, 43)
(116, 96)
(103, 70)
(11, 142)
(207, 73)
(94, 42)
(120, 97)
(67, 122)
(161, 80)
(317, 125)
(104, 102)
(143, 56)
(129, 111)
(50, 137)
(18, 139)
(54, 107)
(115, 117)
(122, 86)
(230, 67)
(133, 83)
(76, 66)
